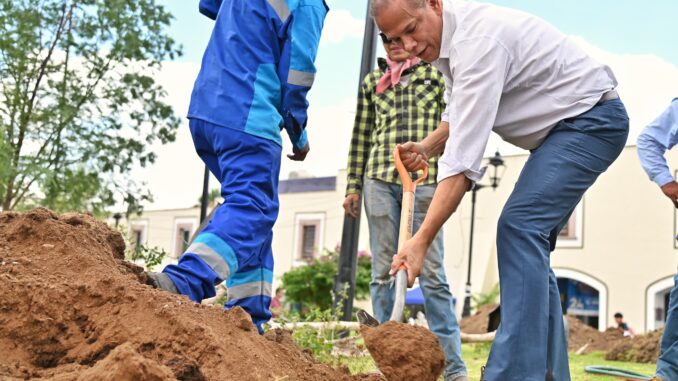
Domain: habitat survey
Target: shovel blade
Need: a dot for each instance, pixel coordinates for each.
(366, 319)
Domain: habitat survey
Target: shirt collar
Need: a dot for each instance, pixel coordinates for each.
(449, 26)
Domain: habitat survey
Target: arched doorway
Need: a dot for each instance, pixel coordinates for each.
(583, 296)
(657, 303)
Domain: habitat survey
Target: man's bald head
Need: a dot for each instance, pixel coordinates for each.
(415, 25)
(377, 5)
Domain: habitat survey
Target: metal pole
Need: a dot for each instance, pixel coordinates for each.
(205, 194)
(467, 298)
(348, 258)
(117, 217)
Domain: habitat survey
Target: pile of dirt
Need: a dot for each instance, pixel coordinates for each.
(405, 352)
(585, 339)
(72, 309)
(640, 348)
(478, 322)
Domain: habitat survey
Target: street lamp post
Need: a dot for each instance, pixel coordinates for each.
(496, 162)
(348, 259)
(117, 217)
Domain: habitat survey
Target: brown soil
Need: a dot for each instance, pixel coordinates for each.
(72, 309)
(582, 334)
(405, 352)
(478, 322)
(640, 348)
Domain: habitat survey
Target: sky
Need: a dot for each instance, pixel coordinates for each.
(636, 39)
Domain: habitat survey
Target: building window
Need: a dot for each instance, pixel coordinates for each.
(571, 236)
(183, 236)
(657, 300)
(308, 241)
(583, 296)
(183, 230)
(309, 236)
(138, 233)
(137, 239)
(580, 300)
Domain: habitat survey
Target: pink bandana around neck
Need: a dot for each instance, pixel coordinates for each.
(395, 69)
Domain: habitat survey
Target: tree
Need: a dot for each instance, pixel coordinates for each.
(311, 285)
(213, 197)
(79, 107)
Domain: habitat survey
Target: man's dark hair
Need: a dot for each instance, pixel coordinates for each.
(618, 315)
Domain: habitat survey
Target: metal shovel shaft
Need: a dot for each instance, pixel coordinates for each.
(406, 221)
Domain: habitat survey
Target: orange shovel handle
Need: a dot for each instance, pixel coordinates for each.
(408, 184)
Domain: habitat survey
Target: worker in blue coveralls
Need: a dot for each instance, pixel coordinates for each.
(255, 74)
(656, 138)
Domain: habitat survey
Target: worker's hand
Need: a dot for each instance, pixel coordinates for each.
(413, 156)
(671, 191)
(299, 154)
(352, 204)
(411, 255)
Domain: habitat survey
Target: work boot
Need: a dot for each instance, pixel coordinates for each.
(161, 281)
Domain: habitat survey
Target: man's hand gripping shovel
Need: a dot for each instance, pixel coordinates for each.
(406, 221)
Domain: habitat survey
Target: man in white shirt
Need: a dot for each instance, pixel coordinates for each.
(512, 73)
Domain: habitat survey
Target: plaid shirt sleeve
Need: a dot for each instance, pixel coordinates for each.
(360, 140)
(445, 92)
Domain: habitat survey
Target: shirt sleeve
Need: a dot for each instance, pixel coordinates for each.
(445, 116)
(658, 137)
(360, 140)
(209, 8)
(479, 72)
(306, 26)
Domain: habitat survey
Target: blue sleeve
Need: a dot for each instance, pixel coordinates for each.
(658, 137)
(305, 29)
(209, 8)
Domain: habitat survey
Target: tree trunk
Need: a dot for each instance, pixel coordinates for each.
(7, 198)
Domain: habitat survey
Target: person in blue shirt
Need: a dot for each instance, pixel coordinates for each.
(256, 71)
(658, 137)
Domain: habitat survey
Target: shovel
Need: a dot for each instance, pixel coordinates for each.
(405, 233)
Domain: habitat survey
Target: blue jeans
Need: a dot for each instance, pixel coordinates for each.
(236, 244)
(530, 344)
(667, 364)
(382, 206)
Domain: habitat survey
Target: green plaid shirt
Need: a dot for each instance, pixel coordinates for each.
(398, 115)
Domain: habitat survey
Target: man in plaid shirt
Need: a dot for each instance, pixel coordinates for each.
(400, 101)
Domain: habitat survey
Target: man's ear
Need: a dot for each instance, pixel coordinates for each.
(436, 5)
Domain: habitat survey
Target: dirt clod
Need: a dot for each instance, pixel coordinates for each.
(77, 311)
(640, 348)
(124, 363)
(405, 352)
(586, 339)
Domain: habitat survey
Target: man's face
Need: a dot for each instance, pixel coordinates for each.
(396, 52)
(618, 320)
(417, 30)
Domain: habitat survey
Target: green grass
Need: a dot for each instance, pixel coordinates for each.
(475, 356)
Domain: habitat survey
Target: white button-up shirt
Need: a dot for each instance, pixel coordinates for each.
(510, 72)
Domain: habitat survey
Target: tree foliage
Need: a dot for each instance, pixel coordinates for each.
(79, 107)
(311, 285)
